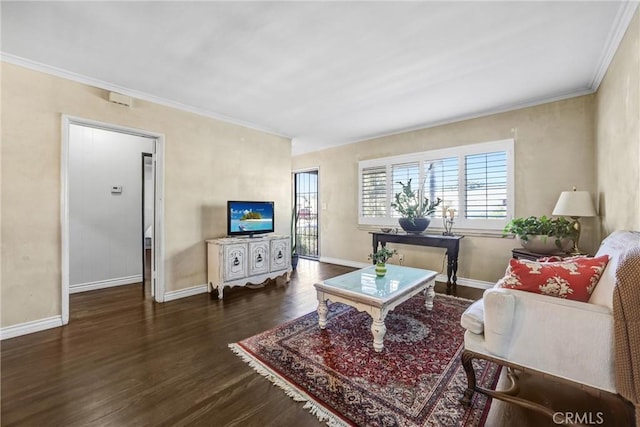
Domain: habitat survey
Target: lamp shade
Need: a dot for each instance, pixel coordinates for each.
(574, 203)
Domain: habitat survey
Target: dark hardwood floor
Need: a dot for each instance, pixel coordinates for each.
(124, 360)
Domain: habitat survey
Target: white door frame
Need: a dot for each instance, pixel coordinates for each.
(157, 276)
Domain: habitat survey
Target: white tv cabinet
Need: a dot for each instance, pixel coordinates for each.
(239, 261)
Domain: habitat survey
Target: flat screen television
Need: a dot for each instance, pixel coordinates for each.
(246, 218)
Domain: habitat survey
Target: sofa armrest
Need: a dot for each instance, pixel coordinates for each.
(499, 316)
(569, 339)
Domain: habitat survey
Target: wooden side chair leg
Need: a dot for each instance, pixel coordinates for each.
(508, 395)
(467, 364)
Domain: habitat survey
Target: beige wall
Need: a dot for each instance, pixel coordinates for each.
(554, 151)
(618, 137)
(206, 163)
(557, 146)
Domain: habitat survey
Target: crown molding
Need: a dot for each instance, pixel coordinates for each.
(618, 30)
(79, 78)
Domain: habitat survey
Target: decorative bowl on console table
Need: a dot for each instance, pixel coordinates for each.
(414, 208)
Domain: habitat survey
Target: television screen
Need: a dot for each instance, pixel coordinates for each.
(247, 218)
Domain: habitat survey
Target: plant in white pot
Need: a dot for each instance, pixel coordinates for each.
(414, 208)
(543, 235)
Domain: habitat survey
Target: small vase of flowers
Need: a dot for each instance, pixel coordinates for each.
(380, 258)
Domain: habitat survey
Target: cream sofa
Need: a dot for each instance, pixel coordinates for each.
(566, 339)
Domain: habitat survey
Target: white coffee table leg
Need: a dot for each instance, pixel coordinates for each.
(322, 312)
(430, 294)
(378, 329)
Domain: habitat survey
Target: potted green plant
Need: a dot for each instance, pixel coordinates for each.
(380, 258)
(414, 208)
(542, 235)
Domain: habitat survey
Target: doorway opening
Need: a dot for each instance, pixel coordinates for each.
(111, 208)
(148, 196)
(306, 206)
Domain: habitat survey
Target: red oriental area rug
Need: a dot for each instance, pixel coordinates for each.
(415, 381)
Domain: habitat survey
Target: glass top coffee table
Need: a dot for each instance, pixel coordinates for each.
(375, 295)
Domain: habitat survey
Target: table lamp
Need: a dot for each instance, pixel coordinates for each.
(575, 204)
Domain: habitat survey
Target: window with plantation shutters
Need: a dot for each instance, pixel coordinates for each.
(486, 185)
(474, 180)
(373, 192)
(442, 182)
(403, 173)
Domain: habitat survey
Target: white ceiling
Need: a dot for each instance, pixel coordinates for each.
(324, 73)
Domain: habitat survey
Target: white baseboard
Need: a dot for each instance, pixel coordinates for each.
(56, 321)
(470, 283)
(30, 327)
(102, 284)
(462, 281)
(345, 262)
(183, 293)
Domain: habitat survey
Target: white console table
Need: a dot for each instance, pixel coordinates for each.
(239, 261)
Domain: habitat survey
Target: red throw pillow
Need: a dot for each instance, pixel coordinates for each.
(573, 278)
(553, 258)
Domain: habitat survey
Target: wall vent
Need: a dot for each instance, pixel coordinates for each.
(120, 99)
